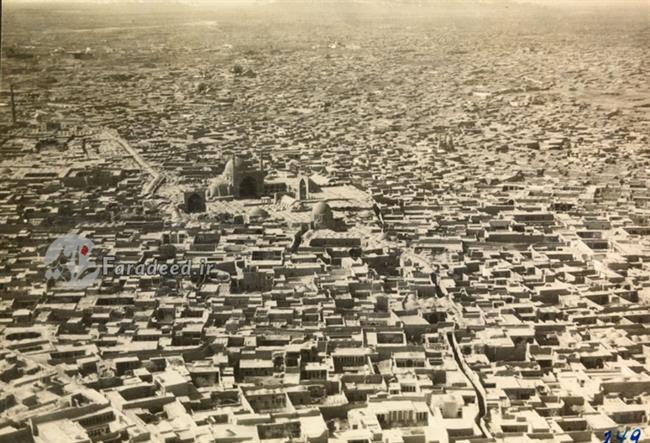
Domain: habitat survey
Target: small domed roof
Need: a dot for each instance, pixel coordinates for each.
(167, 251)
(258, 213)
(235, 164)
(321, 208)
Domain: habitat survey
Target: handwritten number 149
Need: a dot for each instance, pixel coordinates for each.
(634, 437)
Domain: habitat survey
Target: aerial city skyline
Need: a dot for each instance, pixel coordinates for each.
(325, 222)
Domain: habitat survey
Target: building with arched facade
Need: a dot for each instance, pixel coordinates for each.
(194, 202)
(302, 187)
(242, 179)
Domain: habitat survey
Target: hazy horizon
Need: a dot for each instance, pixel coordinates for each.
(558, 3)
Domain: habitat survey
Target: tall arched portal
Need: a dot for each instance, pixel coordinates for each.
(194, 202)
(248, 188)
(302, 189)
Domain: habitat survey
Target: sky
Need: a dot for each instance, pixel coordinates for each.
(596, 5)
(583, 3)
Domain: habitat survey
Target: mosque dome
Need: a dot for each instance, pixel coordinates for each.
(258, 213)
(234, 166)
(322, 216)
(321, 208)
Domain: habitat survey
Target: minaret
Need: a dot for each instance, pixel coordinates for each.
(234, 177)
(450, 142)
(13, 104)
